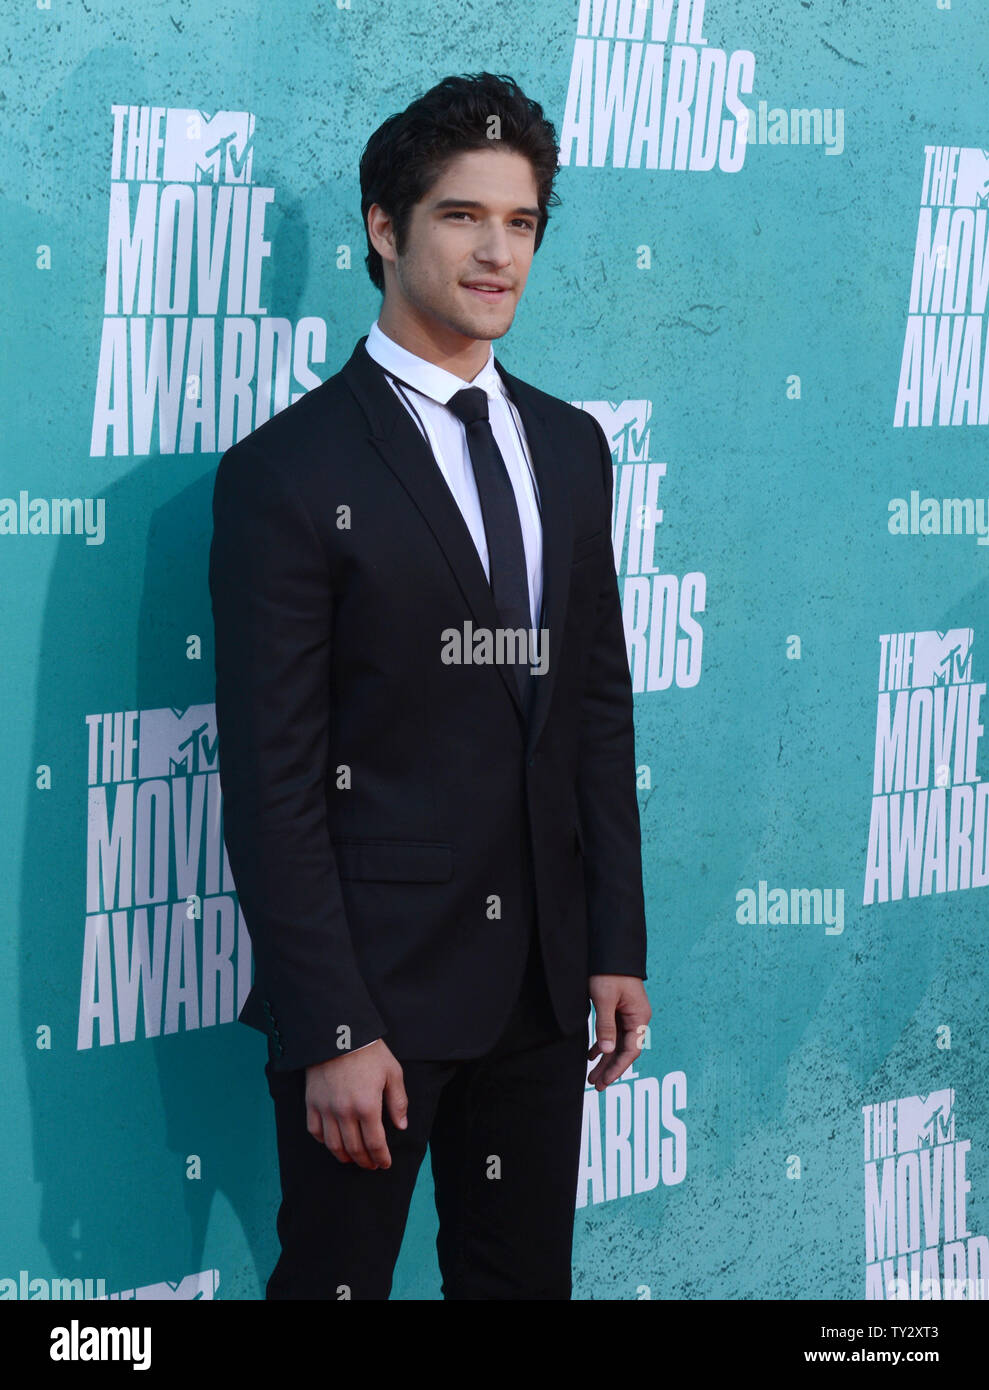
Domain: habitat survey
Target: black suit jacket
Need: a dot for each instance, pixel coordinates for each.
(377, 801)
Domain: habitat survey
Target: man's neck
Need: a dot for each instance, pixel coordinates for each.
(462, 357)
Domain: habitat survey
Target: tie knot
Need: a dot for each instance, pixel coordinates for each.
(469, 405)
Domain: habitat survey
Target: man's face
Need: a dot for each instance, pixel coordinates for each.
(476, 226)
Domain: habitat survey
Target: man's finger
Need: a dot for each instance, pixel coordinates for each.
(375, 1141)
(353, 1141)
(611, 1067)
(332, 1138)
(314, 1123)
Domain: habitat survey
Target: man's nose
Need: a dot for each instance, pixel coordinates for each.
(493, 248)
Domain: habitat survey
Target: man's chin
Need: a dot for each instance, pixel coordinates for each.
(487, 329)
(481, 327)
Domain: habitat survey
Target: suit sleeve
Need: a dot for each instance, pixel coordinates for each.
(606, 779)
(272, 613)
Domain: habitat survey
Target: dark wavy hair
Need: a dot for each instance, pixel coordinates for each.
(407, 154)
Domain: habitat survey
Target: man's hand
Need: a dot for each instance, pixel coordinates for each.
(621, 1011)
(343, 1104)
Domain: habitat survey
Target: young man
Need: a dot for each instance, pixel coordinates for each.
(433, 827)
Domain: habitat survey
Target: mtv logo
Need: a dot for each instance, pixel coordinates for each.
(923, 1121)
(943, 658)
(193, 1286)
(208, 149)
(174, 743)
(626, 427)
(972, 181)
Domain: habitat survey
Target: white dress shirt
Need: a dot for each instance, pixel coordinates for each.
(447, 437)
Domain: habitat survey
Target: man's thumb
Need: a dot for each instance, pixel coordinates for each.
(397, 1102)
(605, 1031)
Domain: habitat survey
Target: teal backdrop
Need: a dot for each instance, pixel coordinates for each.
(780, 321)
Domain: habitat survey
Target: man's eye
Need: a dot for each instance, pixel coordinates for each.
(516, 221)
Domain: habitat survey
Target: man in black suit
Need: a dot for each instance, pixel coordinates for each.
(433, 827)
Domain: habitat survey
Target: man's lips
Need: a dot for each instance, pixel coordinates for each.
(492, 293)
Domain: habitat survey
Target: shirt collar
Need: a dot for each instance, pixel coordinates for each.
(435, 382)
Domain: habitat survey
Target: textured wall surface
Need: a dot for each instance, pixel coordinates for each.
(750, 322)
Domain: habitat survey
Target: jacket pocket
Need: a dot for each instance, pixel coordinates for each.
(585, 546)
(396, 861)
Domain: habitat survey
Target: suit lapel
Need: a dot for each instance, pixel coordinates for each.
(395, 436)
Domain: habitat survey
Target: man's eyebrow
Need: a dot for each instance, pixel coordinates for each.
(471, 203)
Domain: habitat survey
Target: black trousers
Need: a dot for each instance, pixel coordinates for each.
(503, 1133)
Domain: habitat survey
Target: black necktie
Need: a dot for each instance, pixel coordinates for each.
(502, 528)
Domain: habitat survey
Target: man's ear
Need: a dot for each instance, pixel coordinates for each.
(381, 231)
